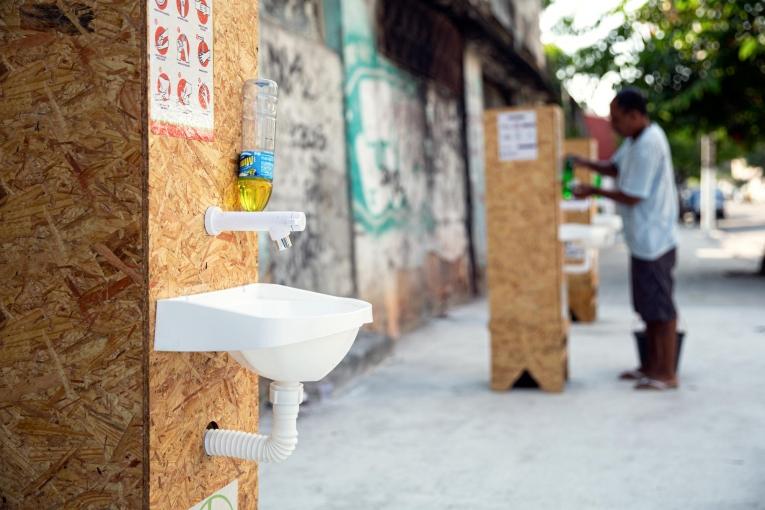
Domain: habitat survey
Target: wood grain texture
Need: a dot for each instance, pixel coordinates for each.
(72, 257)
(583, 288)
(583, 294)
(90, 417)
(188, 390)
(525, 276)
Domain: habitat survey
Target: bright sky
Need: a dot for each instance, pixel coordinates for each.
(594, 95)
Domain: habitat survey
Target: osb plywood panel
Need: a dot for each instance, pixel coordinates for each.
(72, 277)
(541, 351)
(188, 390)
(583, 294)
(583, 288)
(524, 270)
(587, 148)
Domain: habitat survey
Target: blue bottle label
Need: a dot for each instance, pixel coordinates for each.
(254, 164)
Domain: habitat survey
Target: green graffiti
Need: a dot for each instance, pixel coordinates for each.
(208, 503)
(383, 159)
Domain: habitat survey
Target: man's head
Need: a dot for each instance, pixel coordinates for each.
(629, 114)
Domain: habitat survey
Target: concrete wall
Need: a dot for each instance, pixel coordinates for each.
(310, 170)
(474, 106)
(298, 16)
(377, 158)
(407, 172)
(526, 29)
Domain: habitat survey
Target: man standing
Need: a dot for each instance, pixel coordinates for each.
(647, 202)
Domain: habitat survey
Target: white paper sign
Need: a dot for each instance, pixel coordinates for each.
(181, 68)
(224, 499)
(517, 136)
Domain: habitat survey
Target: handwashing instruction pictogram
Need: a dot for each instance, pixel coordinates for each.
(183, 7)
(203, 53)
(184, 92)
(163, 87)
(181, 67)
(161, 40)
(204, 96)
(203, 11)
(182, 44)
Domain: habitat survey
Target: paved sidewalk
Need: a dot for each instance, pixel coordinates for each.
(422, 430)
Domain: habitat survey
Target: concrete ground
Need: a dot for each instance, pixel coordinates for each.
(423, 431)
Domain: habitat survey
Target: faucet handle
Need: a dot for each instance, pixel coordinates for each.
(297, 220)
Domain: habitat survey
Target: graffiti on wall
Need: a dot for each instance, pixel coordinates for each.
(407, 176)
(384, 123)
(310, 173)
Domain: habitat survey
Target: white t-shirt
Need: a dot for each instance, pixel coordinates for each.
(645, 171)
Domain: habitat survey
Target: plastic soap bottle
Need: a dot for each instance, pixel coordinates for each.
(256, 161)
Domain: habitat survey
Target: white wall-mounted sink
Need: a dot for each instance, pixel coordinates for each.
(612, 221)
(576, 205)
(591, 236)
(282, 333)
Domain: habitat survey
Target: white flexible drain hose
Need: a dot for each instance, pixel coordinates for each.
(276, 447)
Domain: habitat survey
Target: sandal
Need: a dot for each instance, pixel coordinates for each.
(647, 383)
(632, 375)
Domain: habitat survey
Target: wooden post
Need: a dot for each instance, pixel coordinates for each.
(708, 185)
(527, 292)
(583, 288)
(99, 218)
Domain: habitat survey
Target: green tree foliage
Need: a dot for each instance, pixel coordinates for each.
(702, 63)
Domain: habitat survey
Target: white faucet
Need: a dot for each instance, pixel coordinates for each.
(278, 224)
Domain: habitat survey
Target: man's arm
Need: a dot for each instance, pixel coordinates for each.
(584, 191)
(602, 167)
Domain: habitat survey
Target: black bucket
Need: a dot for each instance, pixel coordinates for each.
(642, 347)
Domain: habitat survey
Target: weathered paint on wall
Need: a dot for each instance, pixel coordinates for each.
(526, 29)
(299, 16)
(475, 141)
(407, 181)
(447, 198)
(310, 172)
(446, 176)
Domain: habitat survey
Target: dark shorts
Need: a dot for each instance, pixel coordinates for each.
(652, 287)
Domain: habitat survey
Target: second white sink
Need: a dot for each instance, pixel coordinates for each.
(591, 236)
(282, 333)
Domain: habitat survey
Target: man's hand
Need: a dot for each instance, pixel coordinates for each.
(583, 190)
(601, 167)
(576, 160)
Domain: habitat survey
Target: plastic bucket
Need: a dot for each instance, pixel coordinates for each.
(642, 347)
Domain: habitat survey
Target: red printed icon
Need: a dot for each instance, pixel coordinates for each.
(184, 92)
(203, 11)
(161, 40)
(163, 87)
(182, 44)
(183, 7)
(204, 96)
(161, 4)
(203, 52)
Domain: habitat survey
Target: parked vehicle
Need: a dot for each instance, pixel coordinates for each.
(692, 204)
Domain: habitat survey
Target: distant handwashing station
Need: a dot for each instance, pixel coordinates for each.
(582, 240)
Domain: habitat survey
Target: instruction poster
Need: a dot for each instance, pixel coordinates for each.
(517, 136)
(181, 68)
